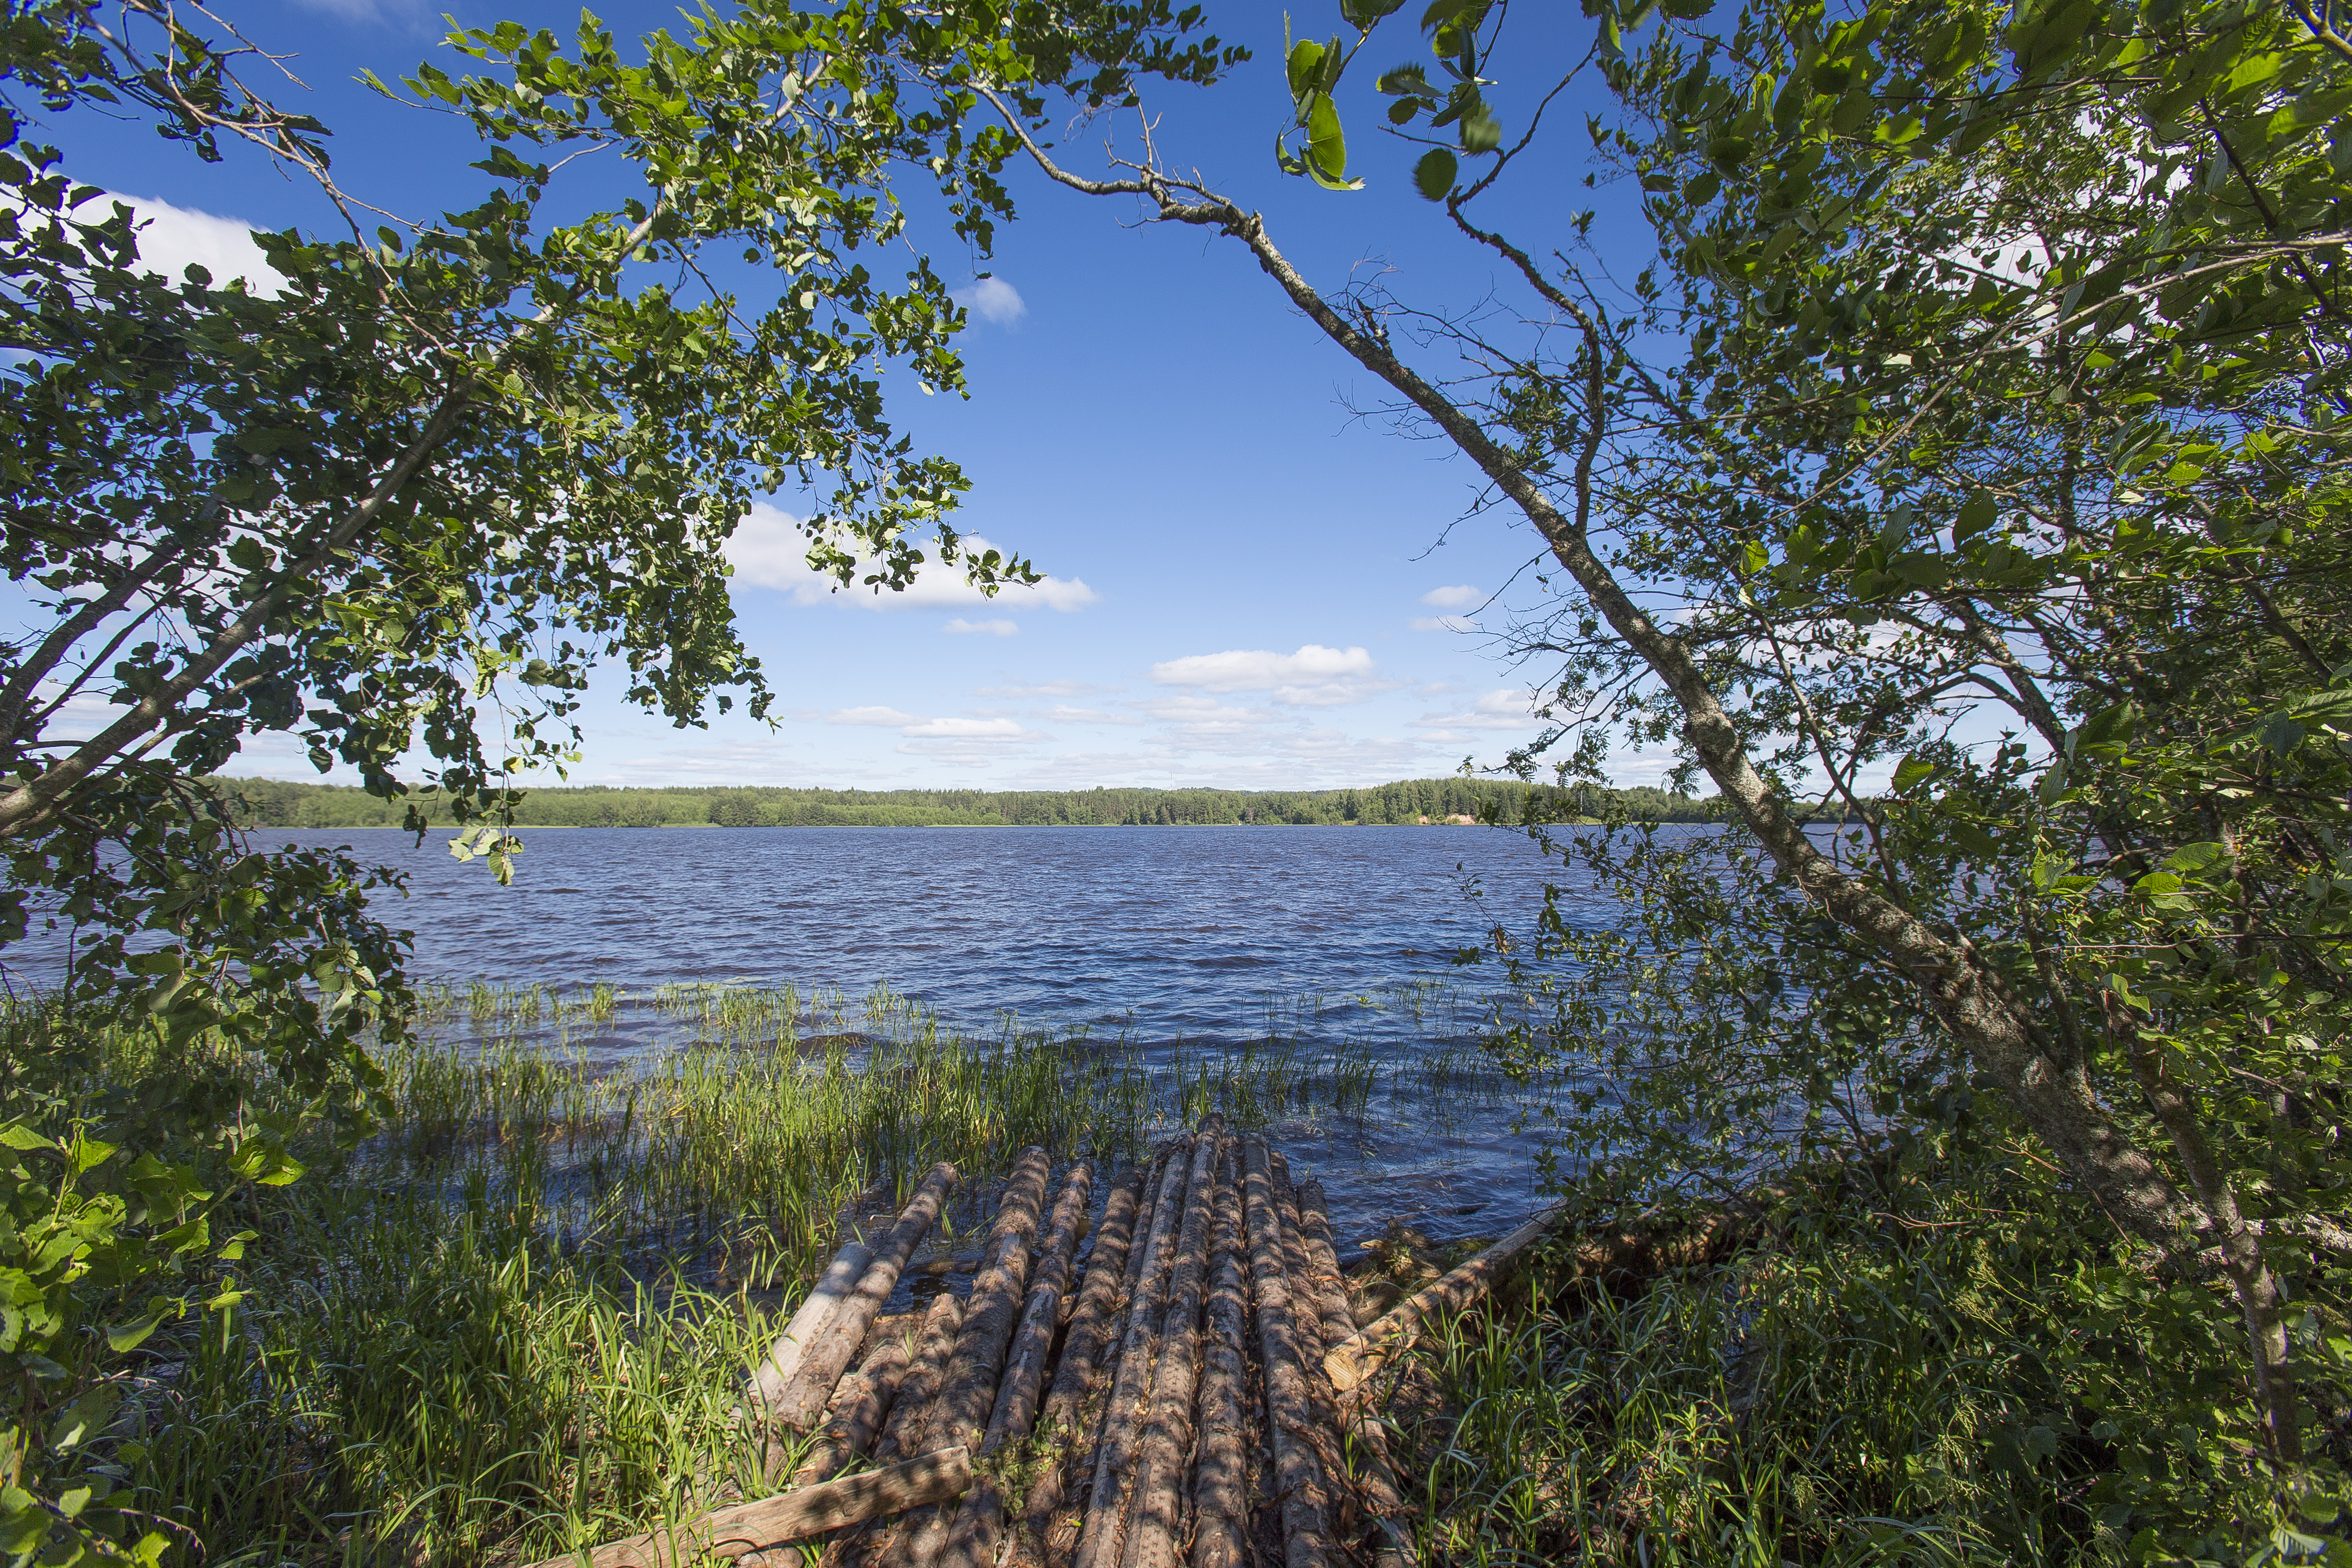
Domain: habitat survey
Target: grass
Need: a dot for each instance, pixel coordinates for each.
(1951, 1366)
(516, 1318)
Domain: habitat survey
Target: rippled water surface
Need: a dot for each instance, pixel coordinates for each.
(1181, 941)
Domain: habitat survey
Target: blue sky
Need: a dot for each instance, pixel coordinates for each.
(1254, 580)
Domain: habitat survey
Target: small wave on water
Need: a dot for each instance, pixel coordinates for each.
(1303, 975)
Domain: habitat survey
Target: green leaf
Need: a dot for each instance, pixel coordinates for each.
(2195, 856)
(124, 1337)
(1978, 513)
(1326, 146)
(1480, 131)
(1432, 176)
(1304, 68)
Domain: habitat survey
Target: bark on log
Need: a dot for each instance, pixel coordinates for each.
(834, 1347)
(859, 1407)
(1221, 1480)
(1376, 1483)
(825, 1299)
(1290, 1412)
(912, 1411)
(970, 1391)
(1323, 1262)
(1306, 1327)
(979, 1524)
(1081, 1388)
(1155, 1510)
(1095, 1316)
(1033, 1341)
(1355, 1358)
(738, 1531)
(1125, 1411)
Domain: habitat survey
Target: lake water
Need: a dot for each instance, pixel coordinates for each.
(1176, 939)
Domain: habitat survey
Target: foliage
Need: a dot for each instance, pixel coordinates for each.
(403, 501)
(1966, 453)
(265, 803)
(1932, 1359)
(515, 1319)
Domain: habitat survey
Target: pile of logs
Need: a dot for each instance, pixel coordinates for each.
(1194, 1397)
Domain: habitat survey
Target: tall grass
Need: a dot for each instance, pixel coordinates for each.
(516, 1318)
(1956, 1366)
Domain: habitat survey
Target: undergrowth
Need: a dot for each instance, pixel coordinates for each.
(1930, 1367)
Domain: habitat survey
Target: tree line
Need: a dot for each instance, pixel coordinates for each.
(272, 803)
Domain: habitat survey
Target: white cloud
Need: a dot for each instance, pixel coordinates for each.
(993, 300)
(172, 237)
(1460, 596)
(1506, 708)
(884, 718)
(1314, 677)
(1442, 624)
(1043, 688)
(1062, 712)
(768, 549)
(967, 730)
(987, 628)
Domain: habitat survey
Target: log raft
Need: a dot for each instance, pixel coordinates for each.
(1188, 1392)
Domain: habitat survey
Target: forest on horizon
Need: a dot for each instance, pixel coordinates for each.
(272, 803)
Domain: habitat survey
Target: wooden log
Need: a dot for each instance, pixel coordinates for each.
(990, 1317)
(1299, 1483)
(1221, 1480)
(1306, 1325)
(859, 1407)
(1155, 1520)
(979, 1526)
(989, 1320)
(1093, 1318)
(746, 1527)
(1376, 1477)
(1072, 1414)
(825, 1298)
(1358, 1357)
(1323, 1264)
(911, 1411)
(1128, 1405)
(835, 1346)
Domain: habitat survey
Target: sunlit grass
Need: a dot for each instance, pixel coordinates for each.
(516, 1317)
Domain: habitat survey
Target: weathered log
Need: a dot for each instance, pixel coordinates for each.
(1358, 1357)
(1072, 1414)
(834, 1347)
(1323, 1262)
(746, 1527)
(1093, 1318)
(979, 1524)
(1220, 1478)
(1376, 1483)
(1128, 1405)
(1306, 1325)
(825, 1298)
(989, 1319)
(1156, 1511)
(854, 1419)
(911, 1411)
(1289, 1408)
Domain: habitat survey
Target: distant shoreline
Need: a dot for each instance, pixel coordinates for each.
(1405, 802)
(826, 827)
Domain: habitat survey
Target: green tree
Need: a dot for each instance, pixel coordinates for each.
(1977, 422)
(407, 502)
